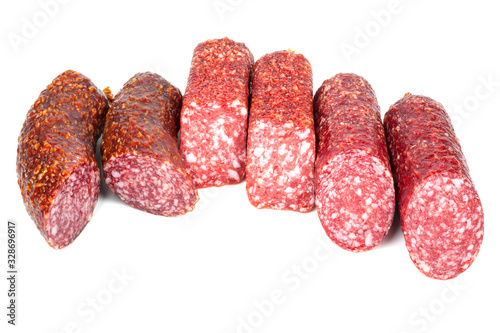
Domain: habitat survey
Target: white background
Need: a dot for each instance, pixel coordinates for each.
(217, 268)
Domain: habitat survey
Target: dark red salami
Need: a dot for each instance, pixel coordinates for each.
(214, 113)
(281, 146)
(56, 168)
(141, 161)
(354, 186)
(441, 214)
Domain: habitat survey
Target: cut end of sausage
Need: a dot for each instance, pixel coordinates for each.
(73, 205)
(151, 185)
(213, 142)
(355, 199)
(443, 226)
(280, 166)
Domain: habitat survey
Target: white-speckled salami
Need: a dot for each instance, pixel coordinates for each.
(354, 186)
(140, 158)
(281, 147)
(441, 214)
(214, 113)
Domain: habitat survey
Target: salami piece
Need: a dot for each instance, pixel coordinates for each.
(141, 162)
(281, 144)
(441, 214)
(56, 167)
(354, 187)
(214, 113)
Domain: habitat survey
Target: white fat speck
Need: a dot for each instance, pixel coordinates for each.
(282, 149)
(258, 151)
(190, 158)
(289, 190)
(235, 103)
(233, 174)
(352, 235)
(303, 135)
(358, 191)
(236, 164)
(430, 193)
(288, 124)
(424, 267)
(357, 180)
(193, 104)
(364, 216)
(368, 201)
(260, 181)
(261, 125)
(119, 184)
(334, 215)
(243, 111)
(305, 146)
(457, 182)
(369, 240)
(115, 174)
(220, 121)
(54, 230)
(294, 172)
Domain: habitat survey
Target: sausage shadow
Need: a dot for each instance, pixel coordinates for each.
(395, 232)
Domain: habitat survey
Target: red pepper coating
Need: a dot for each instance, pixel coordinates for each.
(441, 214)
(140, 158)
(56, 167)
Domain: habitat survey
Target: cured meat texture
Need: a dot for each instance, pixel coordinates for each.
(141, 161)
(441, 214)
(281, 144)
(214, 113)
(354, 187)
(56, 167)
